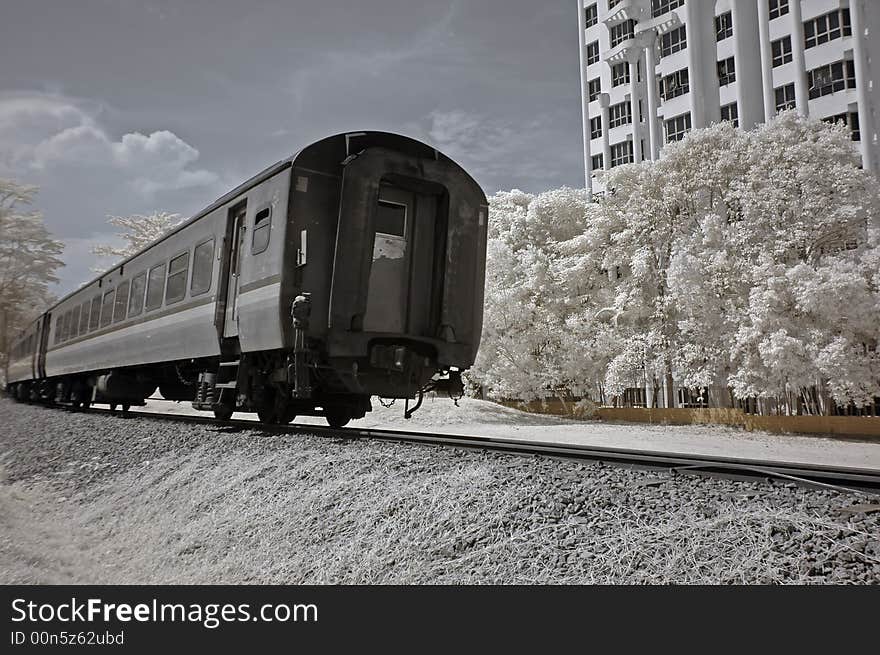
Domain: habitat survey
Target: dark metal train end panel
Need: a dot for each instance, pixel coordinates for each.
(459, 244)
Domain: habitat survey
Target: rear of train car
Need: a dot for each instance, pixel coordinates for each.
(353, 269)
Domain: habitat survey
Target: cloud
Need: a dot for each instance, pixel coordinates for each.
(80, 263)
(45, 133)
(502, 152)
(470, 135)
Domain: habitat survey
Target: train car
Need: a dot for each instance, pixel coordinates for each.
(354, 268)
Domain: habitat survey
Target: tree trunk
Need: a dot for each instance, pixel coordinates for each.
(670, 386)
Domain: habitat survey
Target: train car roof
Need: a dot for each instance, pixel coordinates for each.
(338, 147)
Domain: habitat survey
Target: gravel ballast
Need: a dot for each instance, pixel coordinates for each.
(88, 498)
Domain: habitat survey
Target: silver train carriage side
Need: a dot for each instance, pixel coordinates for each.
(354, 268)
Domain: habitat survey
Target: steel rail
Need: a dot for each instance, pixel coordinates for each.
(841, 478)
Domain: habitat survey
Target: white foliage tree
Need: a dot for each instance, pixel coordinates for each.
(746, 262)
(532, 332)
(29, 258)
(137, 232)
(811, 232)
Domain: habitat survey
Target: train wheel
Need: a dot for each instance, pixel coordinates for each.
(272, 407)
(266, 409)
(336, 418)
(223, 412)
(267, 415)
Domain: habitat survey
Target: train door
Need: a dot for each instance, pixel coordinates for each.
(388, 288)
(42, 344)
(230, 323)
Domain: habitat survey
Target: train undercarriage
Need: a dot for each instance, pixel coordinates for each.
(265, 383)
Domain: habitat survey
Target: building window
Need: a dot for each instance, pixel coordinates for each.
(592, 52)
(594, 88)
(730, 113)
(596, 127)
(847, 24)
(622, 31)
(827, 28)
(660, 7)
(619, 114)
(785, 97)
(781, 49)
(673, 41)
(621, 153)
(677, 127)
(592, 15)
(620, 74)
(613, 3)
(850, 119)
(778, 8)
(833, 77)
(726, 72)
(723, 26)
(596, 163)
(675, 85)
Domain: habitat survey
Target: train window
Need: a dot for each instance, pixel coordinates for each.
(136, 299)
(65, 326)
(121, 301)
(107, 308)
(154, 286)
(56, 338)
(74, 322)
(95, 316)
(175, 288)
(84, 317)
(391, 218)
(203, 267)
(262, 225)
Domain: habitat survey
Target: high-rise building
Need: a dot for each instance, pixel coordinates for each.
(653, 69)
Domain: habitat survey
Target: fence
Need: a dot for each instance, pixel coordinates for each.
(853, 426)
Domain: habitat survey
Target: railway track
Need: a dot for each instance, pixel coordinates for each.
(853, 479)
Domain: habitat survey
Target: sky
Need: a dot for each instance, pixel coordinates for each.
(117, 107)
